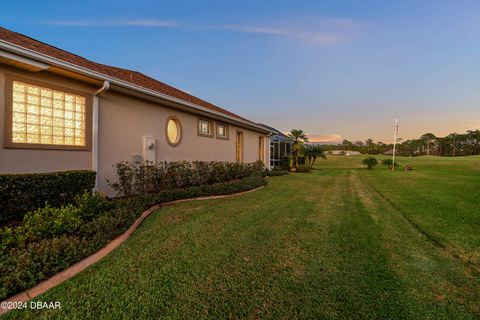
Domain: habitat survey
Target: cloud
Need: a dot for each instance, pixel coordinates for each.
(316, 37)
(250, 29)
(324, 138)
(110, 23)
(313, 30)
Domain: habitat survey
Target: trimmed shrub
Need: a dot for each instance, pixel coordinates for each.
(90, 205)
(304, 169)
(9, 237)
(24, 267)
(49, 222)
(21, 193)
(285, 163)
(223, 188)
(31, 260)
(276, 172)
(146, 178)
(389, 163)
(370, 162)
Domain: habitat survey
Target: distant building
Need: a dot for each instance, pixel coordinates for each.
(280, 146)
(344, 153)
(352, 153)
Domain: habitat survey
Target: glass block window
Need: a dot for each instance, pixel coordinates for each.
(42, 115)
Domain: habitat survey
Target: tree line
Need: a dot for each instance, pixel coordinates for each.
(452, 145)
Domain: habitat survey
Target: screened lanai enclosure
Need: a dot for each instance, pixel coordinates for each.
(280, 147)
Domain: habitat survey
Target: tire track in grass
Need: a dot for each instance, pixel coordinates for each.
(348, 268)
(473, 268)
(440, 281)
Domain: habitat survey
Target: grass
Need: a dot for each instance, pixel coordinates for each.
(341, 242)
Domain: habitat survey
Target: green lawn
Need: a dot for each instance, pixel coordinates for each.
(342, 242)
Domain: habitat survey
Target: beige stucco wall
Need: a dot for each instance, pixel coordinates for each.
(123, 122)
(33, 160)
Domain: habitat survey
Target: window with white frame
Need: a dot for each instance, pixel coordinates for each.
(205, 127)
(222, 131)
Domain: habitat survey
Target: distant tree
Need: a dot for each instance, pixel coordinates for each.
(369, 143)
(454, 144)
(370, 162)
(472, 140)
(299, 137)
(428, 139)
(347, 145)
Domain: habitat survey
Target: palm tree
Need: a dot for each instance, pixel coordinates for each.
(299, 137)
(312, 152)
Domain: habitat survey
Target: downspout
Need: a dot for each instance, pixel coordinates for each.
(105, 87)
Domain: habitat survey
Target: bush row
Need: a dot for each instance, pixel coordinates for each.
(51, 240)
(148, 177)
(304, 169)
(276, 172)
(20, 193)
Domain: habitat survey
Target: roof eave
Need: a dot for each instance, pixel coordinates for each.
(43, 58)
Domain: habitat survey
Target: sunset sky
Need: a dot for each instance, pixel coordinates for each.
(337, 69)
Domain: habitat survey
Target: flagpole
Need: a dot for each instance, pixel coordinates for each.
(395, 131)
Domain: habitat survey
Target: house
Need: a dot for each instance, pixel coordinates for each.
(60, 111)
(280, 146)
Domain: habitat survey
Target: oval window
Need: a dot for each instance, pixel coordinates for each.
(174, 131)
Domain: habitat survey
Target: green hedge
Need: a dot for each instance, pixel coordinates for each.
(276, 172)
(26, 259)
(222, 188)
(20, 193)
(134, 179)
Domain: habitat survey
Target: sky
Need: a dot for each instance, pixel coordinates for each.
(336, 69)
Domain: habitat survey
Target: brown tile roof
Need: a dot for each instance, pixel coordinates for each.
(133, 77)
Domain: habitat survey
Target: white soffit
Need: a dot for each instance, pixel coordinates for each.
(22, 62)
